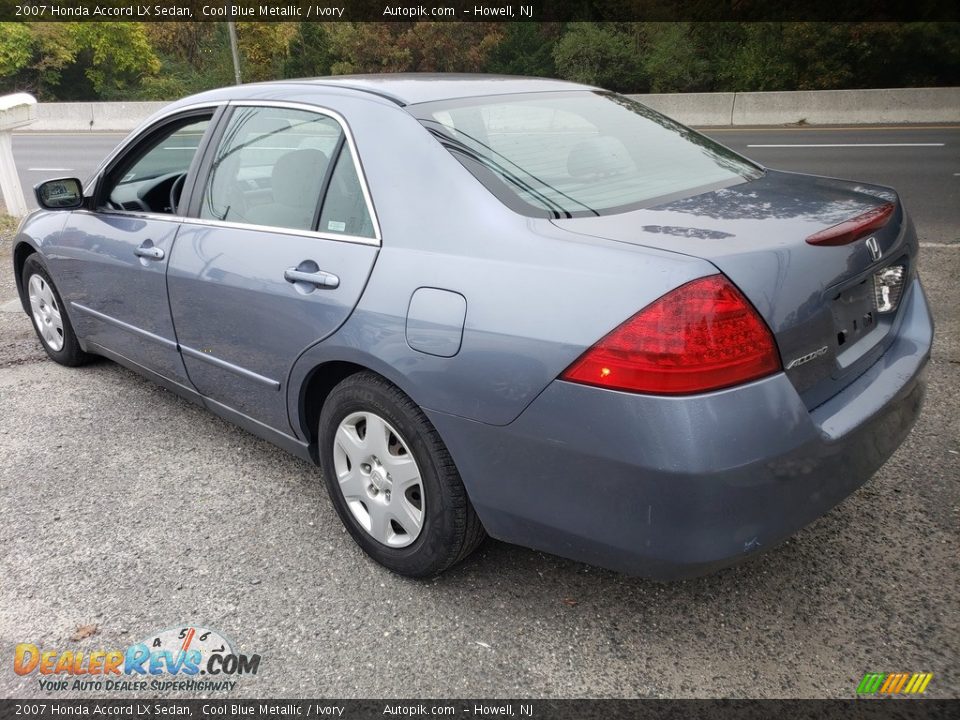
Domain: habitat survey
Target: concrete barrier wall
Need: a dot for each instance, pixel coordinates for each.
(842, 107)
(692, 108)
(92, 116)
(816, 107)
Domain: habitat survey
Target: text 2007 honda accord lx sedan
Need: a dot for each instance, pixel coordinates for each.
(491, 305)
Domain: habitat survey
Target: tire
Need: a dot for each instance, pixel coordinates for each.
(383, 478)
(49, 317)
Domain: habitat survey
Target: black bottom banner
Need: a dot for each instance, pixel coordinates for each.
(873, 709)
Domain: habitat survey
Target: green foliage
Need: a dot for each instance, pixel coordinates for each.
(908, 55)
(821, 56)
(264, 48)
(604, 54)
(126, 60)
(35, 57)
(117, 55)
(748, 56)
(367, 48)
(194, 56)
(310, 51)
(526, 49)
(16, 45)
(672, 61)
(411, 47)
(53, 59)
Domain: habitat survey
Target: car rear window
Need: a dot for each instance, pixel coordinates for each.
(572, 154)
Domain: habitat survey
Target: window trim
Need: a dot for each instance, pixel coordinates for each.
(94, 186)
(195, 184)
(140, 134)
(328, 178)
(200, 183)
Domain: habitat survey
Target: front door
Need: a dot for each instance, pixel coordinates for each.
(278, 253)
(113, 260)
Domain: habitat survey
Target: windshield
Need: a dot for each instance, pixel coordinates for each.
(573, 154)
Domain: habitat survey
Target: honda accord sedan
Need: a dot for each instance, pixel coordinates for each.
(522, 308)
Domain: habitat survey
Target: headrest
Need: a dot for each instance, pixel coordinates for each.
(297, 177)
(602, 155)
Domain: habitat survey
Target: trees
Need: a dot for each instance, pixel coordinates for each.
(194, 56)
(56, 60)
(128, 60)
(264, 48)
(33, 57)
(310, 51)
(411, 46)
(525, 49)
(604, 54)
(672, 59)
(116, 56)
(16, 48)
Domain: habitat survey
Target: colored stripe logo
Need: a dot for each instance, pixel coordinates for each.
(894, 683)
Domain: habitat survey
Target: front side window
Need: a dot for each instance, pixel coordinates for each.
(574, 154)
(273, 167)
(150, 178)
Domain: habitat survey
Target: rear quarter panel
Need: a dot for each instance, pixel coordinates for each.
(537, 296)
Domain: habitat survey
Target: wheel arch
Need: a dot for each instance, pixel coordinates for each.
(21, 252)
(314, 390)
(313, 385)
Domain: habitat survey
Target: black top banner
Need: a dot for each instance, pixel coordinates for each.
(478, 10)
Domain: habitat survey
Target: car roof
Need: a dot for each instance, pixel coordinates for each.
(413, 88)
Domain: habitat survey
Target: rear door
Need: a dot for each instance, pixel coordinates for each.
(281, 240)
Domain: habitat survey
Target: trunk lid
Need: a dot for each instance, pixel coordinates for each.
(818, 300)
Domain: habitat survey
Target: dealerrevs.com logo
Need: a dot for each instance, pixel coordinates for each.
(189, 658)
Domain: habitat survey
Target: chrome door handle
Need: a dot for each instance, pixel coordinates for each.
(149, 251)
(319, 278)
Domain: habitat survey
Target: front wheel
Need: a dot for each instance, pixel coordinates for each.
(392, 481)
(49, 316)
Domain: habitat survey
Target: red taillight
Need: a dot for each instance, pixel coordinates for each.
(704, 335)
(854, 228)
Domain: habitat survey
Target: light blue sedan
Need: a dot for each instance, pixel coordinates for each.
(490, 305)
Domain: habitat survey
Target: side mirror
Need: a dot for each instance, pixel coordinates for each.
(61, 194)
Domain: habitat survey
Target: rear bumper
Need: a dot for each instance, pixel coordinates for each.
(675, 487)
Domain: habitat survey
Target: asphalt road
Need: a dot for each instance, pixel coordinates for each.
(127, 508)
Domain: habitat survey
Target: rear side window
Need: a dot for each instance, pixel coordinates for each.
(344, 207)
(274, 166)
(573, 154)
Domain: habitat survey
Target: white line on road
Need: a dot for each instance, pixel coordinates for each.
(940, 245)
(832, 145)
(49, 169)
(823, 128)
